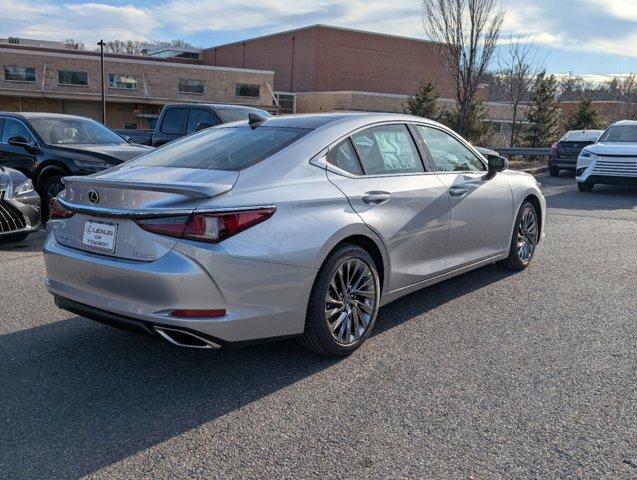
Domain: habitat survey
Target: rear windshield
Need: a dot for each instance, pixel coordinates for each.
(237, 114)
(232, 148)
(620, 133)
(581, 136)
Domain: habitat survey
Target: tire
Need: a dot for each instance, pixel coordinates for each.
(585, 187)
(16, 237)
(324, 334)
(51, 185)
(518, 258)
(554, 171)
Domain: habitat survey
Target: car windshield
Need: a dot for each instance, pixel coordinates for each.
(73, 131)
(232, 148)
(620, 134)
(237, 114)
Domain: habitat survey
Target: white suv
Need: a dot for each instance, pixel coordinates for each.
(612, 160)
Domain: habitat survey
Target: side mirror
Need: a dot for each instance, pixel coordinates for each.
(127, 138)
(19, 141)
(497, 163)
(202, 126)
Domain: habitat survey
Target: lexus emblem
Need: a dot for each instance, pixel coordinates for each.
(93, 196)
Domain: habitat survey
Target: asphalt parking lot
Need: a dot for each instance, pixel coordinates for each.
(488, 375)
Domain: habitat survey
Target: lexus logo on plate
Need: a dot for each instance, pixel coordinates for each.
(93, 196)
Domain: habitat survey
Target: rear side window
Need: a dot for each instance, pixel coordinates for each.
(174, 121)
(387, 149)
(223, 148)
(449, 154)
(344, 157)
(197, 116)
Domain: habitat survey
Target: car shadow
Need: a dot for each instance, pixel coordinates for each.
(562, 193)
(78, 396)
(31, 244)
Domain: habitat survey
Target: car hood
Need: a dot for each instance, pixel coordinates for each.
(107, 152)
(613, 149)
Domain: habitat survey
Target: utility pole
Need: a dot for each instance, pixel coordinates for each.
(101, 44)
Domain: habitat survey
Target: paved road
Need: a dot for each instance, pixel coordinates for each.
(489, 375)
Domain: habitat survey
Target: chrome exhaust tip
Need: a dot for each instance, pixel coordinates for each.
(185, 339)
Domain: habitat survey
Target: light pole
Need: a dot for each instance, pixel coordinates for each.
(101, 44)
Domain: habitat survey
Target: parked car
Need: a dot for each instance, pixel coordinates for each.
(287, 226)
(612, 160)
(47, 147)
(564, 153)
(19, 206)
(180, 119)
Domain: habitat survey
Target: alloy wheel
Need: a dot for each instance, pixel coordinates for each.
(527, 235)
(350, 301)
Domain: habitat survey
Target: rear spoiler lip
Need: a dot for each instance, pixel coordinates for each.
(151, 213)
(194, 190)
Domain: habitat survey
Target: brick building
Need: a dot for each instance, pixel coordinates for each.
(68, 81)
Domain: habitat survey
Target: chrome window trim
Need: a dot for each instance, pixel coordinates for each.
(151, 213)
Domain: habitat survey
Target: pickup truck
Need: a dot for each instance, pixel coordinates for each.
(179, 119)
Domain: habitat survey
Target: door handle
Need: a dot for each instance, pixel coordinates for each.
(376, 198)
(457, 191)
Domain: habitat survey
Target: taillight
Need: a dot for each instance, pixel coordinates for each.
(207, 227)
(57, 211)
(554, 150)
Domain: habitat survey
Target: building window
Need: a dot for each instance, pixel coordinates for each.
(190, 86)
(246, 90)
(286, 102)
(124, 82)
(75, 79)
(14, 73)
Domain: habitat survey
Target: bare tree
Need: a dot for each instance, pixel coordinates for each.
(468, 32)
(137, 47)
(624, 92)
(518, 68)
(73, 44)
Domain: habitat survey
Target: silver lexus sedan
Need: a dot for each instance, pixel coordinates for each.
(286, 226)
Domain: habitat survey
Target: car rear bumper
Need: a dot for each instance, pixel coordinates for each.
(261, 299)
(564, 163)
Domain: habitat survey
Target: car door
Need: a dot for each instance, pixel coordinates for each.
(172, 127)
(17, 157)
(481, 204)
(381, 172)
(198, 116)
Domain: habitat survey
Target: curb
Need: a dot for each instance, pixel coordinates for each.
(536, 171)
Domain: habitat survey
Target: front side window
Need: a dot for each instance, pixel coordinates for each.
(232, 148)
(73, 131)
(69, 77)
(13, 73)
(246, 90)
(387, 149)
(191, 86)
(13, 128)
(620, 134)
(174, 121)
(449, 155)
(197, 116)
(344, 157)
(124, 82)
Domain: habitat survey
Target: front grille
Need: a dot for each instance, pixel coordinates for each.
(10, 217)
(615, 166)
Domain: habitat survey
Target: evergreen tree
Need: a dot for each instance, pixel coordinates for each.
(424, 103)
(479, 129)
(544, 114)
(584, 117)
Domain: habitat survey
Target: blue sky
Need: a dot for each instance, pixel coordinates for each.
(589, 37)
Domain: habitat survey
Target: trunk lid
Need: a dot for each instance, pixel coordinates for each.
(107, 204)
(567, 149)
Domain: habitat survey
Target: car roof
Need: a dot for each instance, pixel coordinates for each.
(229, 106)
(317, 120)
(625, 122)
(31, 115)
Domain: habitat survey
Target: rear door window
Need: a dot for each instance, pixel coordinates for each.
(387, 149)
(197, 116)
(344, 157)
(174, 121)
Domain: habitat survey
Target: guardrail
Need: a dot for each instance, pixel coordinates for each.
(524, 152)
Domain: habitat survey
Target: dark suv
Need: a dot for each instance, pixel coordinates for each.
(564, 153)
(47, 146)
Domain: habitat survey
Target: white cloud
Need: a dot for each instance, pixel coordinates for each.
(622, 9)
